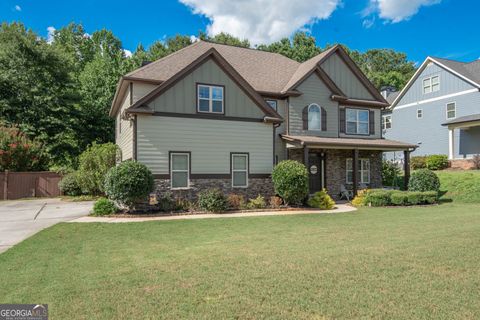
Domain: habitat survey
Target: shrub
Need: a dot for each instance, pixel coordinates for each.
(183, 205)
(390, 173)
(94, 163)
(430, 197)
(128, 182)
(378, 197)
(321, 200)
(437, 162)
(424, 180)
(236, 201)
(104, 207)
(166, 202)
(275, 202)
(257, 203)
(212, 200)
(414, 198)
(359, 199)
(399, 198)
(69, 185)
(418, 162)
(290, 180)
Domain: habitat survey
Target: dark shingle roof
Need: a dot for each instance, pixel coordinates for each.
(469, 118)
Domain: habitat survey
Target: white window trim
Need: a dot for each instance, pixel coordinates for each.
(319, 116)
(454, 110)
(358, 122)
(430, 84)
(421, 114)
(246, 170)
(272, 100)
(360, 170)
(210, 99)
(171, 170)
(384, 122)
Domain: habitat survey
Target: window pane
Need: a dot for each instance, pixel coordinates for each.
(349, 176)
(435, 80)
(451, 106)
(451, 114)
(365, 165)
(365, 178)
(349, 164)
(217, 106)
(351, 127)
(314, 118)
(351, 115)
(179, 162)
(272, 103)
(204, 92)
(426, 82)
(363, 115)
(239, 162)
(240, 179)
(427, 89)
(217, 93)
(435, 87)
(179, 179)
(203, 105)
(363, 128)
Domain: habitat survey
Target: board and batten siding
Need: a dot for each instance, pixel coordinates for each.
(345, 79)
(313, 91)
(124, 130)
(182, 97)
(209, 141)
(449, 84)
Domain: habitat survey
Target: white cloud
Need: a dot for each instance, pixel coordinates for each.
(127, 53)
(18, 8)
(193, 38)
(368, 23)
(50, 34)
(399, 10)
(261, 21)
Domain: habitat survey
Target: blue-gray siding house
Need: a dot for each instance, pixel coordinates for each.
(439, 110)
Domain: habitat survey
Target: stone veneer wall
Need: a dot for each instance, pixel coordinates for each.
(335, 167)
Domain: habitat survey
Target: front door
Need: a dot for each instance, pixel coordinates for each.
(315, 170)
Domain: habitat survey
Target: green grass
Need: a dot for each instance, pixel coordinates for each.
(460, 186)
(405, 263)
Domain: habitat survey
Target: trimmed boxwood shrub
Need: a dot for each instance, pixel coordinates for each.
(424, 180)
(378, 197)
(290, 180)
(321, 200)
(104, 207)
(128, 183)
(414, 197)
(437, 162)
(430, 197)
(212, 200)
(69, 185)
(399, 198)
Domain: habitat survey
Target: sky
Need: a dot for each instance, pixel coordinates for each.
(420, 28)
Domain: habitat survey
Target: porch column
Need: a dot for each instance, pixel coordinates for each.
(451, 143)
(355, 172)
(406, 167)
(305, 156)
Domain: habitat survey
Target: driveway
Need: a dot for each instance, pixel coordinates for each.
(20, 219)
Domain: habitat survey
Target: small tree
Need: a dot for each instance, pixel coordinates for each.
(128, 183)
(94, 165)
(290, 180)
(18, 153)
(424, 180)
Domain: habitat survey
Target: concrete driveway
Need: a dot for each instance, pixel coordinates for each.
(20, 219)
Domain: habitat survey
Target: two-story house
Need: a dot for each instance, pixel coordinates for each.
(439, 109)
(213, 115)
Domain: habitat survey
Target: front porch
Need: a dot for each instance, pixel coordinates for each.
(467, 131)
(334, 163)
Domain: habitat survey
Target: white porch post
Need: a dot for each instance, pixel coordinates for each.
(451, 143)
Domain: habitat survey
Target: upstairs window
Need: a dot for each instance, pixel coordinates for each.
(272, 103)
(451, 110)
(431, 84)
(387, 122)
(357, 121)
(210, 99)
(314, 117)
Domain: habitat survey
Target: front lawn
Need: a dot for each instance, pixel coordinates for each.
(460, 186)
(400, 263)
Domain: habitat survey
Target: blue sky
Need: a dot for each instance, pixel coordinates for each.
(445, 28)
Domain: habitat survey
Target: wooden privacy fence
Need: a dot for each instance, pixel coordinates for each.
(16, 185)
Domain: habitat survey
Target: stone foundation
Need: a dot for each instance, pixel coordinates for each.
(335, 167)
(462, 164)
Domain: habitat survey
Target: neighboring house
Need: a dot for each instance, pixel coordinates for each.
(439, 109)
(213, 115)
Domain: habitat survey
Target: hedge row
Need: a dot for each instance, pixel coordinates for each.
(432, 162)
(381, 198)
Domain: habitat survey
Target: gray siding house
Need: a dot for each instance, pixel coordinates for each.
(213, 115)
(439, 110)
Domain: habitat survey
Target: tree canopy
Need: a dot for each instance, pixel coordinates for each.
(59, 92)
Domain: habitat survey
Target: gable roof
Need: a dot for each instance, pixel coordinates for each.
(264, 72)
(470, 72)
